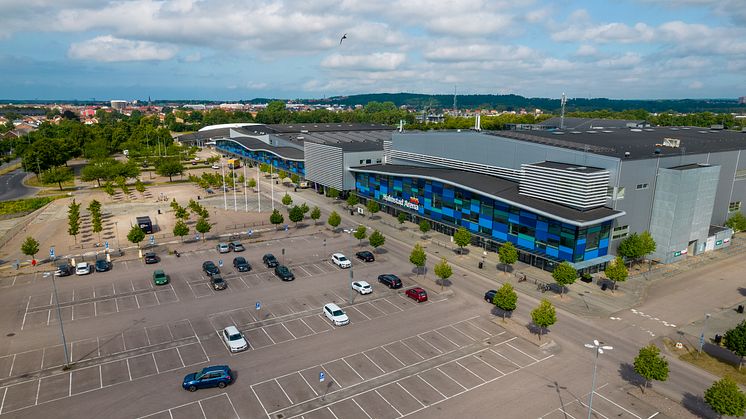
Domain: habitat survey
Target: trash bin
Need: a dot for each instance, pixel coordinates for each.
(604, 286)
(481, 264)
(159, 211)
(718, 339)
(740, 309)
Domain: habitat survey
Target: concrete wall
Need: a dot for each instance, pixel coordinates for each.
(325, 165)
(352, 159)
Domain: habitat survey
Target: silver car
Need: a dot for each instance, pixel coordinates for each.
(223, 248)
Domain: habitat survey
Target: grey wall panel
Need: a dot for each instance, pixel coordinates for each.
(728, 190)
(352, 159)
(324, 165)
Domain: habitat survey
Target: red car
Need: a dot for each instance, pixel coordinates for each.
(417, 294)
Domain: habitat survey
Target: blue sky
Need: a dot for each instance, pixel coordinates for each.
(233, 49)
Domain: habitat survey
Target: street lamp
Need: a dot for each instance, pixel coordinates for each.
(702, 335)
(599, 347)
(62, 329)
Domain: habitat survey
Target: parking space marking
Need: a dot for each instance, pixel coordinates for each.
(359, 407)
(614, 403)
(450, 378)
(391, 304)
(2, 404)
(304, 270)
(270, 337)
(199, 403)
(431, 345)
(470, 371)
(353, 369)
(371, 361)
(410, 348)
(23, 323)
(431, 386)
(286, 328)
(387, 402)
(392, 355)
(522, 352)
(504, 357)
(410, 394)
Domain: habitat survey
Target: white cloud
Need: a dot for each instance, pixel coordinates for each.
(256, 85)
(379, 61)
(586, 50)
(609, 32)
(110, 49)
(696, 84)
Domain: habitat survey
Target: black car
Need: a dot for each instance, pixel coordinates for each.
(270, 260)
(490, 295)
(102, 265)
(241, 264)
(217, 282)
(283, 272)
(210, 268)
(64, 270)
(390, 280)
(365, 256)
(151, 257)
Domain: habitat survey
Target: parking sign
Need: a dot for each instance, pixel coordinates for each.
(258, 305)
(106, 245)
(51, 252)
(152, 239)
(220, 263)
(250, 232)
(321, 376)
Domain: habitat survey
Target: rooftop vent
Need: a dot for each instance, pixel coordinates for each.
(304, 131)
(607, 131)
(657, 151)
(671, 142)
(649, 129)
(636, 130)
(591, 132)
(300, 137)
(626, 154)
(575, 132)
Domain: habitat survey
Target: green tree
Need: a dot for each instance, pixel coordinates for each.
(735, 341)
(373, 207)
(424, 226)
(30, 247)
(122, 182)
(726, 398)
(139, 186)
(544, 316)
(651, 365)
(564, 274)
(136, 235)
(462, 238)
(251, 183)
(57, 174)
(631, 247)
(181, 229)
(109, 189)
(73, 220)
(360, 233)
(616, 271)
(647, 243)
(352, 200)
(97, 225)
(737, 222)
(315, 214)
(418, 257)
(276, 218)
(94, 207)
(169, 167)
(203, 227)
(181, 213)
(505, 299)
(508, 255)
(402, 217)
(295, 214)
(334, 219)
(287, 200)
(304, 207)
(376, 239)
(443, 271)
(332, 193)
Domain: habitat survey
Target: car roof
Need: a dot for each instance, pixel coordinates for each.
(216, 368)
(82, 264)
(150, 254)
(332, 306)
(158, 271)
(232, 330)
(240, 258)
(363, 252)
(236, 242)
(338, 255)
(269, 254)
(417, 289)
(363, 282)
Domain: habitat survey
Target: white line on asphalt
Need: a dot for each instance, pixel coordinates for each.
(2, 404)
(392, 304)
(353, 369)
(424, 340)
(330, 411)
(116, 304)
(387, 402)
(70, 385)
(309, 327)
(129, 372)
(283, 391)
(389, 352)
(12, 363)
(371, 361)
(157, 370)
(522, 352)
(430, 385)
(199, 403)
(564, 413)
(259, 400)
(286, 328)
(304, 270)
(450, 378)
(615, 404)
(51, 298)
(359, 407)
(38, 386)
(138, 302)
(26, 312)
(470, 371)
(178, 352)
(410, 394)
(489, 365)
(270, 337)
(359, 311)
(410, 348)
(506, 358)
(307, 383)
(488, 333)
(231, 403)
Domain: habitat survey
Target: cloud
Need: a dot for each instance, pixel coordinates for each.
(586, 50)
(375, 62)
(609, 32)
(696, 84)
(110, 49)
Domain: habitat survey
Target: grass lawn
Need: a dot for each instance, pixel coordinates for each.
(707, 362)
(25, 205)
(34, 181)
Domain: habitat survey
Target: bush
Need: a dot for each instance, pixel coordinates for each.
(25, 205)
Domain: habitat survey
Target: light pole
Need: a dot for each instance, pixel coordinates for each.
(352, 291)
(599, 347)
(258, 189)
(702, 335)
(225, 197)
(62, 329)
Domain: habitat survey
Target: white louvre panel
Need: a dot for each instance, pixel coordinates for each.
(582, 189)
(324, 164)
(510, 174)
(386, 151)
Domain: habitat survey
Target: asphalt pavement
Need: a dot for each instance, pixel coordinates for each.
(12, 187)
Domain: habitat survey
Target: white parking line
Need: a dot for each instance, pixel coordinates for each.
(407, 391)
(12, 363)
(260, 400)
(450, 378)
(2, 404)
(430, 385)
(420, 336)
(410, 348)
(199, 403)
(359, 311)
(38, 386)
(506, 358)
(615, 404)
(470, 371)
(371, 361)
(391, 304)
(304, 270)
(270, 337)
(286, 328)
(387, 402)
(522, 352)
(353, 369)
(490, 365)
(392, 355)
(446, 338)
(307, 383)
(283, 391)
(361, 408)
(23, 323)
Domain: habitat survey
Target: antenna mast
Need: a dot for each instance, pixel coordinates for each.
(455, 108)
(562, 115)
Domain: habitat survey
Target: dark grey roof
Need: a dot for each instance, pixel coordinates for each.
(349, 137)
(501, 189)
(205, 135)
(326, 127)
(689, 166)
(565, 166)
(591, 123)
(639, 143)
(255, 144)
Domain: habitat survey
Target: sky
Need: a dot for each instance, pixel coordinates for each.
(243, 49)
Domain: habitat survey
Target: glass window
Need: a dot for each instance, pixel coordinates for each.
(367, 161)
(620, 232)
(734, 206)
(591, 241)
(641, 186)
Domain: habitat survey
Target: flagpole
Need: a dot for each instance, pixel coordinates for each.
(225, 197)
(258, 189)
(245, 194)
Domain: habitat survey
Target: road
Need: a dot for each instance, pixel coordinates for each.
(12, 187)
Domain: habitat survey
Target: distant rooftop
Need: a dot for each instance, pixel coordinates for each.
(591, 123)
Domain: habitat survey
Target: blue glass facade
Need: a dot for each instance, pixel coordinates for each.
(291, 166)
(487, 217)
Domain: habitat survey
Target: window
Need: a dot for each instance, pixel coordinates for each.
(734, 206)
(378, 160)
(367, 161)
(620, 192)
(620, 232)
(361, 161)
(642, 186)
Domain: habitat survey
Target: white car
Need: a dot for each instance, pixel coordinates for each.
(341, 261)
(362, 287)
(82, 268)
(223, 248)
(335, 314)
(234, 339)
(215, 166)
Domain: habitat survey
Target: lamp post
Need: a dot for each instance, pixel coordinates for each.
(702, 335)
(599, 347)
(225, 197)
(62, 329)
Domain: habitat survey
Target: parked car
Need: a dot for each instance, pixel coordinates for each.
(210, 268)
(217, 282)
(102, 265)
(362, 287)
(341, 261)
(223, 248)
(234, 339)
(160, 277)
(215, 376)
(236, 246)
(490, 295)
(284, 273)
(418, 294)
(390, 280)
(216, 166)
(365, 256)
(82, 268)
(240, 264)
(151, 257)
(64, 270)
(335, 314)
(270, 260)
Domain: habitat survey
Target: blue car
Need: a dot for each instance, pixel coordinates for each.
(215, 376)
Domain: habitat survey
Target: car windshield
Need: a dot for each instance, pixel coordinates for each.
(365, 286)
(336, 313)
(342, 258)
(237, 336)
(217, 279)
